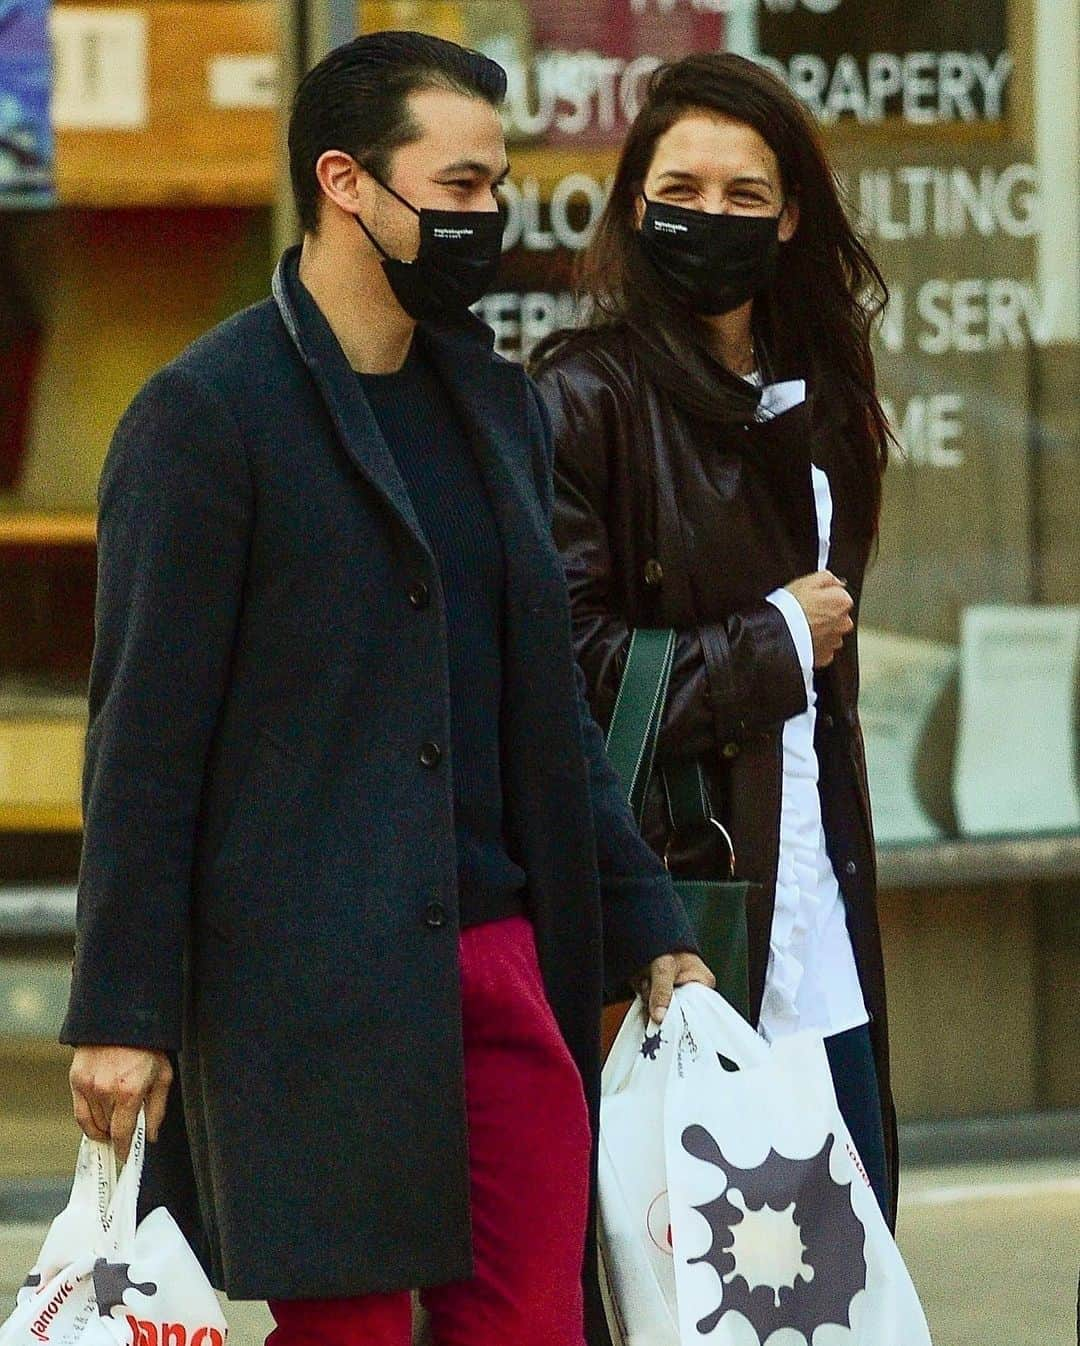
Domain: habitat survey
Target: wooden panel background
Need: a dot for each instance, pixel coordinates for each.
(190, 151)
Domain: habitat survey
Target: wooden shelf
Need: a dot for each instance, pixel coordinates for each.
(240, 184)
(40, 818)
(41, 763)
(47, 530)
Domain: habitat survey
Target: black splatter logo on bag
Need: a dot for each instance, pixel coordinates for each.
(650, 1046)
(786, 1244)
(112, 1282)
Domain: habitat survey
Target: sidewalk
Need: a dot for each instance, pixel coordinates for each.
(994, 1251)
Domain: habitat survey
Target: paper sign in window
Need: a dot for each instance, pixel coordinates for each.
(244, 81)
(100, 69)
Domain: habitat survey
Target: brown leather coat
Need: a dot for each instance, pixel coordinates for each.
(666, 520)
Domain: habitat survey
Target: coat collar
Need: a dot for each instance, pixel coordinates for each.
(489, 395)
(340, 389)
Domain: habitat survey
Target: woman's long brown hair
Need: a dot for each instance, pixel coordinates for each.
(815, 321)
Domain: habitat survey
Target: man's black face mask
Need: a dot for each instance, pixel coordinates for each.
(458, 257)
(712, 263)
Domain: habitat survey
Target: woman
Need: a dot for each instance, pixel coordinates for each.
(719, 453)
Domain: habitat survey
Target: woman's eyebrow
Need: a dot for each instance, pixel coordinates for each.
(680, 175)
(742, 180)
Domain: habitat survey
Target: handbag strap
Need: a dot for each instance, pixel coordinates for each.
(633, 732)
(639, 707)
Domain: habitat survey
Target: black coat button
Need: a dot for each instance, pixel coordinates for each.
(654, 573)
(828, 721)
(731, 750)
(430, 755)
(435, 915)
(419, 595)
(851, 868)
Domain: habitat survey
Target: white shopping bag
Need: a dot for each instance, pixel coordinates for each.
(776, 1238)
(100, 1281)
(637, 1272)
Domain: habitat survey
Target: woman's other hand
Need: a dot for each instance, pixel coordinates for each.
(827, 605)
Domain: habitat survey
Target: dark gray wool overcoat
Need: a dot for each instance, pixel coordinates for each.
(268, 883)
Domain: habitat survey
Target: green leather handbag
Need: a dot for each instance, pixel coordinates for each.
(716, 907)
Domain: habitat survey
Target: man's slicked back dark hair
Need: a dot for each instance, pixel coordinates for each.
(355, 100)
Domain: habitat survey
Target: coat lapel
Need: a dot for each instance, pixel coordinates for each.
(489, 396)
(356, 426)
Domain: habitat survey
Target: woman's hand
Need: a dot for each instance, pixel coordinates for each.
(657, 985)
(827, 605)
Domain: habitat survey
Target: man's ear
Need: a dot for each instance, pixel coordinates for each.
(340, 178)
(789, 220)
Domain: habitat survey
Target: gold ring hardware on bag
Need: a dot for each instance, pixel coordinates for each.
(714, 822)
(714, 907)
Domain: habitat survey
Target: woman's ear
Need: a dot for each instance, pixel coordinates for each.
(789, 220)
(639, 210)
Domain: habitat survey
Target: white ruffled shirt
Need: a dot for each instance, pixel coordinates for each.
(811, 980)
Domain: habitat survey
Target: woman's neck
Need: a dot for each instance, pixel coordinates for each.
(732, 339)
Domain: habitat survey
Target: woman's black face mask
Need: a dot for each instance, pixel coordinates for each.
(459, 255)
(713, 263)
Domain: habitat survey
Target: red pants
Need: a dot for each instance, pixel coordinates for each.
(529, 1148)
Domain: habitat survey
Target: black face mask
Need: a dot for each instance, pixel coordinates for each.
(713, 263)
(457, 261)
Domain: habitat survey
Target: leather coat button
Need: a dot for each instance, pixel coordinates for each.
(654, 573)
(430, 755)
(851, 868)
(435, 915)
(419, 595)
(731, 750)
(828, 721)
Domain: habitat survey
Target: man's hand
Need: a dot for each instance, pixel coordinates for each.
(827, 605)
(667, 972)
(110, 1084)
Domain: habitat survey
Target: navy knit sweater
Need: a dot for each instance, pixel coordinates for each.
(432, 451)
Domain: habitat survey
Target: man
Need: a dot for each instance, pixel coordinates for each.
(352, 847)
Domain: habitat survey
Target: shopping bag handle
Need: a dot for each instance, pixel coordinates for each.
(712, 1021)
(125, 1204)
(115, 1199)
(94, 1184)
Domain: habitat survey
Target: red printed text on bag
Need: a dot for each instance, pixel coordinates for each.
(40, 1326)
(147, 1333)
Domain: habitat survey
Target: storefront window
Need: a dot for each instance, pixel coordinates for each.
(954, 130)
